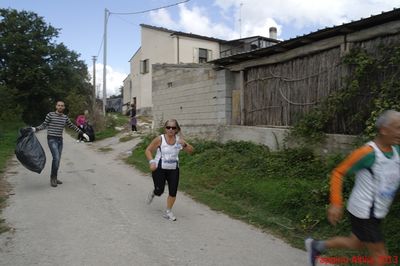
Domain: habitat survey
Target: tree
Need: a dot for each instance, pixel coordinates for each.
(34, 69)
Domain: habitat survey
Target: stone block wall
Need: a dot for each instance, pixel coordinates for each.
(194, 94)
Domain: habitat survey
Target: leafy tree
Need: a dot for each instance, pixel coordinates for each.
(34, 69)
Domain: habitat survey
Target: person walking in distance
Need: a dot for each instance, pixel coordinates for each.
(165, 165)
(133, 120)
(55, 123)
(377, 169)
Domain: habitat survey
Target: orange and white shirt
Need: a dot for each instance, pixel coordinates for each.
(377, 180)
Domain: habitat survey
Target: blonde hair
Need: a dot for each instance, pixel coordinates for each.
(178, 128)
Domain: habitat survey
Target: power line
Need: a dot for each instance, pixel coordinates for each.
(107, 15)
(133, 13)
(149, 10)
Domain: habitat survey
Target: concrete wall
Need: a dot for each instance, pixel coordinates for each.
(274, 138)
(194, 94)
(157, 47)
(187, 46)
(160, 47)
(126, 93)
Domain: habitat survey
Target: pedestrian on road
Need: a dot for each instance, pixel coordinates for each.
(377, 170)
(133, 120)
(165, 165)
(80, 122)
(55, 123)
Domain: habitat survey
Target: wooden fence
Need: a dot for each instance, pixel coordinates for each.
(280, 94)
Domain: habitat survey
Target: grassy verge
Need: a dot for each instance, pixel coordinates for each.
(8, 136)
(112, 120)
(284, 192)
(107, 128)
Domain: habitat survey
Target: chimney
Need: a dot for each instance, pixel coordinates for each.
(273, 33)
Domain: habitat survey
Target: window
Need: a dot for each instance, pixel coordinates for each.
(144, 66)
(203, 55)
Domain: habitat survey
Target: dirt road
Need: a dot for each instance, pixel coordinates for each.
(99, 217)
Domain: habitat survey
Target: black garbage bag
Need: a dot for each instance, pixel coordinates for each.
(29, 151)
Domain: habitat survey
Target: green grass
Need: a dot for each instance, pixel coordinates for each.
(112, 120)
(126, 138)
(8, 137)
(106, 133)
(105, 149)
(109, 123)
(284, 192)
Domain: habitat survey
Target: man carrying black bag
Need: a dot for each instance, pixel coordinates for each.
(55, 123)
(29, 151)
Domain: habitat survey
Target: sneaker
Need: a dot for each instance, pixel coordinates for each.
(59, 182)
(78, 141)
(169, 215)
(312, 253)
(150, 197)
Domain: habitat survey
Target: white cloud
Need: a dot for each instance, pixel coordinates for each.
(194, 21)
(114, 80)
(258, 15)
(163, 18)
(299, 14)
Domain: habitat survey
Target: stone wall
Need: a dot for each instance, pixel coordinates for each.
(194, 94)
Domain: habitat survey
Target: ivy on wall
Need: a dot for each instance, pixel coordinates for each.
(372, 86)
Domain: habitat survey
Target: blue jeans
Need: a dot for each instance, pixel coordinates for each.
(56, 146)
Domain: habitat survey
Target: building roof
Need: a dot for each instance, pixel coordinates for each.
(180, 33)
(298, 41)
(252, 37)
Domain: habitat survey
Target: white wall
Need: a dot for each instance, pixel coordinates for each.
(160, 47)
(126, 93)
(157, 47)
(187, 46)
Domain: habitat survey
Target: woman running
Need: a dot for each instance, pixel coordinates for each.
(165, 165)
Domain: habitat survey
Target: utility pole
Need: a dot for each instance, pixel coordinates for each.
(94, 83)
(106, 14)
(240, 20)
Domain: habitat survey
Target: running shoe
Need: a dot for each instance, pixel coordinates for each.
(312, 253)
(169, 215)
(150, 197)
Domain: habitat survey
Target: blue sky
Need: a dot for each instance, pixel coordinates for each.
(81, 23)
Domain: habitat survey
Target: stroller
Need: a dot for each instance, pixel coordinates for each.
(84, 125)
(88, 129)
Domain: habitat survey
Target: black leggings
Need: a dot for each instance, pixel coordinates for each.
(162, 175)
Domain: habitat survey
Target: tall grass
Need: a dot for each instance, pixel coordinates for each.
(285, 192)
(8, 137)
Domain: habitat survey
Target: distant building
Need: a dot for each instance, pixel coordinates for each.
(114, 105)
(160, 46)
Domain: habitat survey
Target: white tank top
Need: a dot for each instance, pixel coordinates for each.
(377, 189)
(168, 154)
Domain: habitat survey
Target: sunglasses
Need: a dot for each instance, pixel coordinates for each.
(168, 127)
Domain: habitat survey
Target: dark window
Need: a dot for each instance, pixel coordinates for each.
(203, 55)
(144, 66)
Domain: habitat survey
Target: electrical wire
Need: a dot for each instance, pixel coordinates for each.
(149, 10)
(134, 13)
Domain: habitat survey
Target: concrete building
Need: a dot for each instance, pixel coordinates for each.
(258, 93)
(159, 46)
